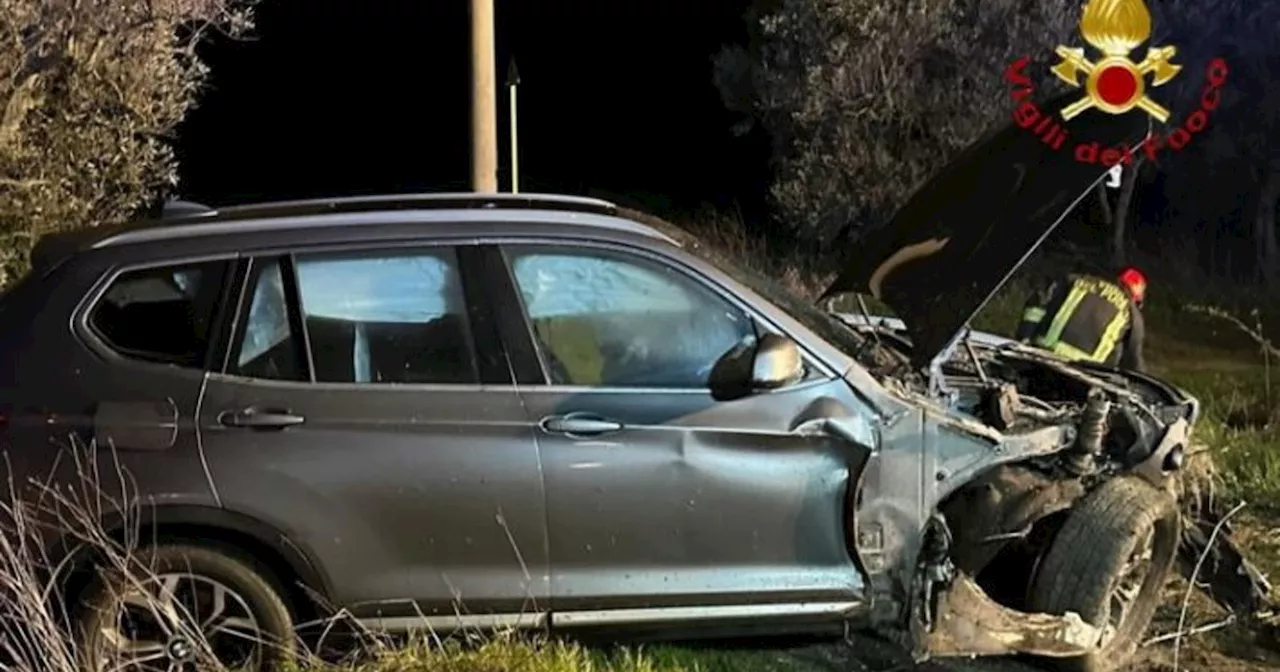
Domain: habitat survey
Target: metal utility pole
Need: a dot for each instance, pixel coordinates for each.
(484, 103)
(513, 80)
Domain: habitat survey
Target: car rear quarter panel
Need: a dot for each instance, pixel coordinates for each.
(52, 381)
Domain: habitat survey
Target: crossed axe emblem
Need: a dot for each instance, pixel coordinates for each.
(1116, 84)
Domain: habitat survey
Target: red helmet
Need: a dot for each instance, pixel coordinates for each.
(1135, 282)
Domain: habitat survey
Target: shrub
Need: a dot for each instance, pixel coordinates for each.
(863, 99)
(91, 91)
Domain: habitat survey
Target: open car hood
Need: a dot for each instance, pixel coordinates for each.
(964, 233)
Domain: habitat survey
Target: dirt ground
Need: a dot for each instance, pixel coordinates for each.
(1211, 646)
(1232, 648)
(1229, 648)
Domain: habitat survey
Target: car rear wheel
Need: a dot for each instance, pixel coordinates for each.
(191, 608)
(1108, 564)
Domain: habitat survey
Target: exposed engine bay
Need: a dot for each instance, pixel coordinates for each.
(1015, 388)
(991, 536)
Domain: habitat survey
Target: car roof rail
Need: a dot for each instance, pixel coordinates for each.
(178, 208)
(425, 201)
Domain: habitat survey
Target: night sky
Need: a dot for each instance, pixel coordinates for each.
(337, 97)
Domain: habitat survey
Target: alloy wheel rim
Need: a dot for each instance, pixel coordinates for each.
(174, 621)
(1128, 586)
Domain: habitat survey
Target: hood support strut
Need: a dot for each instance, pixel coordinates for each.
(938, 388)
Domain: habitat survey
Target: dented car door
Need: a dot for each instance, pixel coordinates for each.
(658, 495)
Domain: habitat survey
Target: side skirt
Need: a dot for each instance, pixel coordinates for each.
(816, 612)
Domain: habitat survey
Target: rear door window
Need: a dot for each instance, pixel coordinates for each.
(268, 347)
(161, 314)
(390, 317)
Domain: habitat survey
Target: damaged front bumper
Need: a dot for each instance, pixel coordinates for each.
(966, 622)
(955, 617)
(969, 623)
(952, 615)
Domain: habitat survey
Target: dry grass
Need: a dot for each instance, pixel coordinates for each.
(35, 625)
(726, 236)
(502, 653)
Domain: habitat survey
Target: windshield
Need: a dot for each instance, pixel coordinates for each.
(800, 309)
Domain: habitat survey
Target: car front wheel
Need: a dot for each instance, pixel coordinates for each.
(1108, 564)
(185, 608)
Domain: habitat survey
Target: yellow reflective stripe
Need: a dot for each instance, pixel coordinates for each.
(1033, 315)
(1111, 335)
(1069, 351)
(1050, 338)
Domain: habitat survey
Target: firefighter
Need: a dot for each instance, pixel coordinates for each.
(1082, 317)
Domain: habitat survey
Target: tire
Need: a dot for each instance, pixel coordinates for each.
(252, 610)
(1088, 559)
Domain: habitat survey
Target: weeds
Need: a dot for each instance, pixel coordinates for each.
(53, 525)
(503, 653)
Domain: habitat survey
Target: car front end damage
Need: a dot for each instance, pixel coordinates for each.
(1014, 494)
(1020, 442)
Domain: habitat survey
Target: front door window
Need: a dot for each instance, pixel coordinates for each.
(606, 320)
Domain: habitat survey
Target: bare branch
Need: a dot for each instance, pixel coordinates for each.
(1191, 632)
(1191, 582)
(1263, 342)
(9, 183)
(22, 99)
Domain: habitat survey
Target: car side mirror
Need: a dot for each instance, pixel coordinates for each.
(759, 364)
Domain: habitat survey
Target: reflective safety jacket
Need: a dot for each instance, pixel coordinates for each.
(1085, 318)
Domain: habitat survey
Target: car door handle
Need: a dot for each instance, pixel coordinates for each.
(575, 424)
(260, 418)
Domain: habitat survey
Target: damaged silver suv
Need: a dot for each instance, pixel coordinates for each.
(450, 411)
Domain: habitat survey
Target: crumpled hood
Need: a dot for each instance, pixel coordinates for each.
(963, 234)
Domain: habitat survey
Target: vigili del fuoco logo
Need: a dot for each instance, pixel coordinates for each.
(1114, 84)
